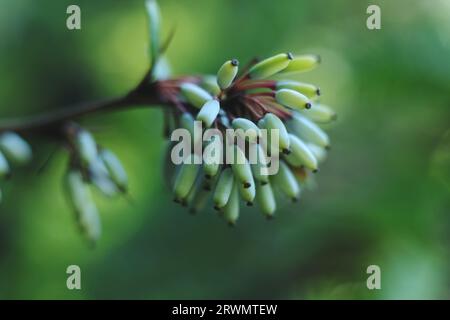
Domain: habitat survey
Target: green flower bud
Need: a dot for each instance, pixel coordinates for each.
(241, 168)
(231, 209)
(223, 188)
(319, 153)
(271, 121)
(187, 122)
(251, 130)
(309, 90)
(4, 166)
(154, 23)
(199, 201)
(320, 113)
(186, 177)
(266, 199)
(86, 146)
(270, 66)
(308, 130)
(81, 199)
(99, 176)
(302, 63)
(115, 169)
(292, 99)
(208, 113)
(285, 180)
(209, 83)
(162, 70)
(261, 163)
(227, 73)
(248, 194)
(195, 95)
(16, 150)
(300, 154)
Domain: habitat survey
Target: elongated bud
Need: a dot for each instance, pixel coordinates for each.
(227, 73)
(270, 122)
(162, 70)
(261, 162)
(302, 63)
(309, 90)
(266, 199)
(301, 155)
(231, 209)
(195, 95)
(223, 188)
(209, 83)
(320, 113)
(100, 178)
(292, 99)
(81, 199)
(4, 166)
(250, 132)
(285, 180)
(308, 130)
(154, 24)
(199, 201)
(248, 194)
(241, 168)
(270, 66)
(319, 153)
(86, 146)
(187, 122)
(208, 113)
(186, 177)
(16, 149)
(115, 169)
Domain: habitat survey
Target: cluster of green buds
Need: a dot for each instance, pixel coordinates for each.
(13, 151)
(257, 98)
(91, 164)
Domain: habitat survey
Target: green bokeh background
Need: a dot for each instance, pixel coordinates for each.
(383, 195)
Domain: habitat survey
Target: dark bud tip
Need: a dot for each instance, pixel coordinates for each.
(216, 208)
(318, 58)
(318, 91)
(315, 170)
(290, 56)
(235, 62)
(269, 217)
(207, 176)
(176, 200)
(286, 151)
(328, 148)
(247, 185)
(231, 224)
(294, 199)
(334, 116)
(207, 187)
(263, 183)
(249, 204)
(308, 105)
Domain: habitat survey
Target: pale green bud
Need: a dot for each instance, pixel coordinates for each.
(270, 66)
(162, 70)
(319, 153)
(99, 176)
(81, 199)
(227, 73)
(292, 99)
(208, 113)
(241, 168)
(86, 146)
(4, 166)
(251, 130)
(302, 63)
(320, 113)
(308, 130)
(266, 199)
(209, 83)
(286, 181)
(271, 121)
(154, 23)
(115, 169)
(248, 194)
(300, 154)
(231, 209)
(187, 122)
(223, 188)
(261, 163)
(195, 95)
(309, 90)
(16, 149)
(186, 177)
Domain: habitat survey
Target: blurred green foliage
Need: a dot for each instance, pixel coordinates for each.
(383, 195)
